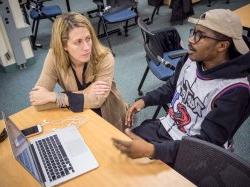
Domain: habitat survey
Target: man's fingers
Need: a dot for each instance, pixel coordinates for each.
(131, 134)
(132, 110)
(128, 117)
(122, 148)
(121, 142)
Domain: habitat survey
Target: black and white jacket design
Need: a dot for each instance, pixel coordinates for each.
(194, 99)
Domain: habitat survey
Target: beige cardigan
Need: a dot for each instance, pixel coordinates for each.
(112, 106)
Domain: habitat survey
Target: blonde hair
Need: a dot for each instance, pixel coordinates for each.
(59, 37)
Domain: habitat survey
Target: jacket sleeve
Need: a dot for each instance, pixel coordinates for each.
(163, 95)
(166, 151)
(104, 72)
(48, 77)
(229, 111)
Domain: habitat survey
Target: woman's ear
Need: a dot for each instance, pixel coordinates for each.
(65, 48)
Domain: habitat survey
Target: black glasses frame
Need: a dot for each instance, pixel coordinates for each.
(197, 36)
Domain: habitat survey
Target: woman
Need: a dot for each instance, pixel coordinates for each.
(83, 67)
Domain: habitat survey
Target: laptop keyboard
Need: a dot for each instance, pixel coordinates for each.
(54, 157)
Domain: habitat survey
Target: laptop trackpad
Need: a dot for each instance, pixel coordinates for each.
(75, 147)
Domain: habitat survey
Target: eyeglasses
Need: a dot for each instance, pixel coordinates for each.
(197, 36)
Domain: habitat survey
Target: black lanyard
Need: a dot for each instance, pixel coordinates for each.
(79, 85)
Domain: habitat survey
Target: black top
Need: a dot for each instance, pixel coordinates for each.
(76, 101)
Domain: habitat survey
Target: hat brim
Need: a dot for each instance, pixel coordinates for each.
(241, 46)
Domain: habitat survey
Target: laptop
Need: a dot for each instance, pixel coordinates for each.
(54, 158)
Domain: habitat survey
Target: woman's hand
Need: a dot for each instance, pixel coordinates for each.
(97, 88)
(40, 95)
(136, 107)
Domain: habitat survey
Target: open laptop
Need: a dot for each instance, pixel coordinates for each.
(53, 158)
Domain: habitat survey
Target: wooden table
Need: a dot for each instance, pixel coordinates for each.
(115, 169)
(244, 14)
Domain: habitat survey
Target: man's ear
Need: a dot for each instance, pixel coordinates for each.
(223, 45)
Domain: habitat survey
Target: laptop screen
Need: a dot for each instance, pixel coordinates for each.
(21, 148)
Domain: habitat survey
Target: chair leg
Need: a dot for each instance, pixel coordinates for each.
(156, 9)
(209, 3)
(126, 29)
(52, 20)
(136, 11)
(26, 17)
(99, 26)
(142, 81)
(34, 44)
(33, 25)
(156, 112)
(106, 34)
(33, 37)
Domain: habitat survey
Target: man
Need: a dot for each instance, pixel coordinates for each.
(208, 94)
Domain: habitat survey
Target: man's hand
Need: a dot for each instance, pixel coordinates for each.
(40, 95)
(137, 148)
(136, 107)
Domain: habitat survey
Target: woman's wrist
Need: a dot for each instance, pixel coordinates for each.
(61, 100)
(52, 97)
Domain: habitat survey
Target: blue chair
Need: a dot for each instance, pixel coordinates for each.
(38, 11)
(163, 52)
(116, 11)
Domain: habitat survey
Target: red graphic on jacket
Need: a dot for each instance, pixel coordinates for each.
(181, 117)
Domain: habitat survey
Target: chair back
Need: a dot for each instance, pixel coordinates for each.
(206, 164)
(35, 4)
(117, 5)
(158, 42)
(38, 10)
(146, 33)
(163, 52)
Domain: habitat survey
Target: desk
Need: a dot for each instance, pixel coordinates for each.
(244, 14)
(115, 169)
